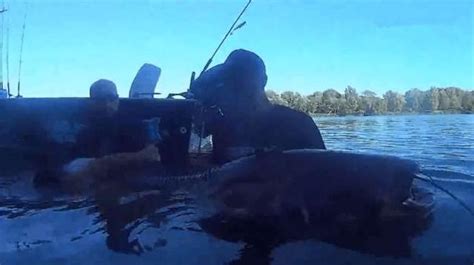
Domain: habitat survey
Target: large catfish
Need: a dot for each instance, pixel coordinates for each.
(310, 181)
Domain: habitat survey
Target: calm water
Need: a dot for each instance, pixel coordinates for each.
(44, 227)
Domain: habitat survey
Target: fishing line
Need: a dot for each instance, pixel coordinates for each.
(430, 180)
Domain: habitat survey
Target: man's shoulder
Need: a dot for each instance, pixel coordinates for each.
(291, 129)
(287, 114)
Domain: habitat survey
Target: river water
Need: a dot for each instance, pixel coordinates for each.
(44, 227)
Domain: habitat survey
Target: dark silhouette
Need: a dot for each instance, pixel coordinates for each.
(240, 116)
(105, 134)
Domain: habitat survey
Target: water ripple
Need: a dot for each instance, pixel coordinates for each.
(441, 142)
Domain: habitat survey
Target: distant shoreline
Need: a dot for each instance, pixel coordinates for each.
(436, 100)
(390, 114)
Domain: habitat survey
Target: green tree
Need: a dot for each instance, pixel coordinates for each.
(431, 100)
(293, 100)
(468, 101)
(444, 101)
(314, 102)
(367, 102)
(351, 100)
(369, 94)
(455, 97)
(394, 101)
(274, 97)
(413, 100)
(330, 100)
(380, 106)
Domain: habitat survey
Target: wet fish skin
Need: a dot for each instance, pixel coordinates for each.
(273, 182)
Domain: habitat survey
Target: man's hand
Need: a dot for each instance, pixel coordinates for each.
(82, 173)
(149, 153)
(153, 130)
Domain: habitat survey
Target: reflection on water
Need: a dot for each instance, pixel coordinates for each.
(119, 226)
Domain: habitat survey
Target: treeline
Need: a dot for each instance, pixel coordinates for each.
(449, 99)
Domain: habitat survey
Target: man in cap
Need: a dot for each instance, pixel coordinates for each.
(100, 137)
(107, 142)
(104, 94)
(107, 132)
(239, 115)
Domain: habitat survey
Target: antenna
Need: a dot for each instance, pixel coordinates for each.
(21, 56)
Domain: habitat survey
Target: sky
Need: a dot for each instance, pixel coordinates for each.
(307, 45)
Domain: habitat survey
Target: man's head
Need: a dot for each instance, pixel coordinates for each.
(239, 81)
(246, 70)
(104, 97)
(246, 78)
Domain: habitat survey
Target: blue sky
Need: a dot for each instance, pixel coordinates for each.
(307, 45)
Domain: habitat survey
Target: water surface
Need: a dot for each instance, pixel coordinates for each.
(44, 227)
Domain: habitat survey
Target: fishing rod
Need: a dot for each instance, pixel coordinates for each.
(238, 27)
(230, 32)
(18, 95)
(7, 60)
(3, 10)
